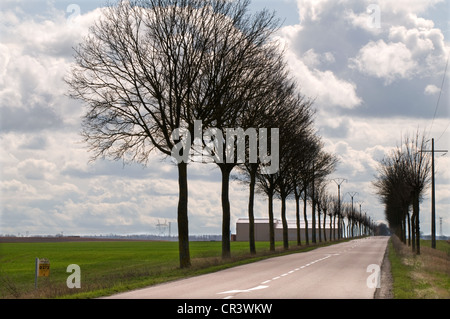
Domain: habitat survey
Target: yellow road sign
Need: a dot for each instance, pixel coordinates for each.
(44, 268)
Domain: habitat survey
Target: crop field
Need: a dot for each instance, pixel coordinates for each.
(108, 267)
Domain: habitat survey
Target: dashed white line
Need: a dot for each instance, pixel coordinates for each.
(262, 285)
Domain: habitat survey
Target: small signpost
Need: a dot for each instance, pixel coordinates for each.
(42, 269)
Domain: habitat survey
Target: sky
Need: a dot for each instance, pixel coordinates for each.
(374, 68)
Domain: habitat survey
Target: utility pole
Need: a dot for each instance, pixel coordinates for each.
(339, 182)
(433, 192)
(352, 194)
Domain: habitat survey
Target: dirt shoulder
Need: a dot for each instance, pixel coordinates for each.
(385, 291)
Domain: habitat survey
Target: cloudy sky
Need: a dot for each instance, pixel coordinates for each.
(375, 69)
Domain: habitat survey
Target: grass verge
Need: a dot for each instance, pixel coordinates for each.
(424, 276)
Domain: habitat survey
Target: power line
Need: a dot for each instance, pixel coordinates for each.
(439, 98)
(443, 132)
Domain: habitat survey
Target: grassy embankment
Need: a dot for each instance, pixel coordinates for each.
(426, 276)
(111, 267)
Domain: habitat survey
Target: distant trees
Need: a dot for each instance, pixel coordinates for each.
(402, 178)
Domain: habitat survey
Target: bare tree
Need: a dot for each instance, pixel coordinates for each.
(245, 65)
(325, 203)
(402, 178)
(417, 167)
(265, 113)
(296, 136)
(149, 68)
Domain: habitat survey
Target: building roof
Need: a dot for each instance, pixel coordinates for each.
(292, 224)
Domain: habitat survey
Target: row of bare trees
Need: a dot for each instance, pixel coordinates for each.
(403, 176)
(150, 70)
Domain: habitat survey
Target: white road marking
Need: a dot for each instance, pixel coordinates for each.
(263, 284)
(243, 290)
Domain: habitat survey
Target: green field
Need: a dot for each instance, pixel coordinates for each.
(426, 276)
(110, 267)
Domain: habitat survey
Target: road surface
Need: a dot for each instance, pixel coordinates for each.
(346, 270)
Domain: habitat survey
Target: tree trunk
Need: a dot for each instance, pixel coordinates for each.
(313, 215)
(409, 229)
(284, 221)
(226, 214)
(413, 232)
(318, 223)
(331, 228)
(324, 223)
(182, 216)
(251, 216)
(416, 208)
(297, 217)
(339, 226)
(403, 227)
(334, 226)
(271, 224)
(305, 217)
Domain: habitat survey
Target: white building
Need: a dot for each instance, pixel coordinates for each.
(262, 229)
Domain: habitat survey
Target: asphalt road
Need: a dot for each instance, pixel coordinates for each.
(346, 270)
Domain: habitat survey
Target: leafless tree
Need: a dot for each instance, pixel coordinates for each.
(149, 68)
(402, 178)
(244, 69)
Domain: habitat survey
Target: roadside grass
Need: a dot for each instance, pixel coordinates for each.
(113, 267)
(426, 276)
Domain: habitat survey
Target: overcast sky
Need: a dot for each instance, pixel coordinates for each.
(374, 68)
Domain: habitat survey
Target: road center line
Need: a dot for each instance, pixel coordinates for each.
(263, 284)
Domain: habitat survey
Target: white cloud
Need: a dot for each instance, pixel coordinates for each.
(38, 169)
(324, 86)
(47, 186)
(407, 6)
(14, 187)
(313, 60)
(431, 89)
(311, 9)
(389, 61)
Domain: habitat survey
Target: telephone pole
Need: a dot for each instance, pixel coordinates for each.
(339, 182)
(433, 193)
(352, 194)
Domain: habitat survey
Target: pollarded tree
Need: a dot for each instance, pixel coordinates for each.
(403, 177)
(394, 192)
(325, 200)
(417, 169)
